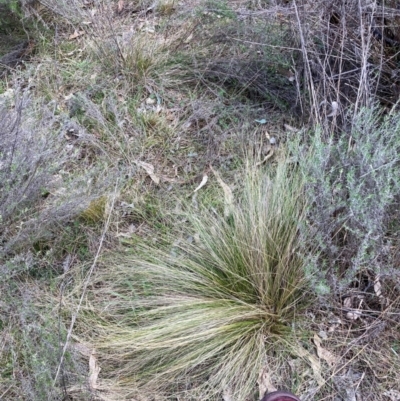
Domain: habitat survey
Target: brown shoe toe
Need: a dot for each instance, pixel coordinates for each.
(280, 396)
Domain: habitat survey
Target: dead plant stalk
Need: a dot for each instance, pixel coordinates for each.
(85, 285)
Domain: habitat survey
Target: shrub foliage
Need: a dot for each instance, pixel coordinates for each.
(353, 183)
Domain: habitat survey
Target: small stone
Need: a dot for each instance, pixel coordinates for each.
(323, 335)
(353, 315)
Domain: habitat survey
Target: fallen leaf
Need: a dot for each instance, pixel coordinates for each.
(291, 78)
(378, 291)
(264, 383)
(149, 170)
(314, 362)
(322, 334)
(82, 348)
(377, 286)
(354, 314)
(348, 303)
(128, 232)
(290, 128)
(76, 34)
(323, 353)
(94, 371)
(67, 263)
(203, 182)
(120, 6)
(334, 109)
(269, 155)
(188, 39)
(335, 323)
(170, 116)
(227, 192)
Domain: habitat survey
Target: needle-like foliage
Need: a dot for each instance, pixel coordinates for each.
(202, 315)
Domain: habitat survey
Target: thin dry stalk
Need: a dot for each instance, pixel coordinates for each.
(86, 283)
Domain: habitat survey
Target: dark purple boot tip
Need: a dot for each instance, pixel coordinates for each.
(280, 396)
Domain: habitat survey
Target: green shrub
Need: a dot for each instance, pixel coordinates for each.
(40, 191)
(352, 185)
(31, 340)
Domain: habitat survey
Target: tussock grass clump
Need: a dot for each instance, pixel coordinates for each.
(200, 316)
(138, 56)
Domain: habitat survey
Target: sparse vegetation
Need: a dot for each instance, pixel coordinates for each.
(130, 268)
